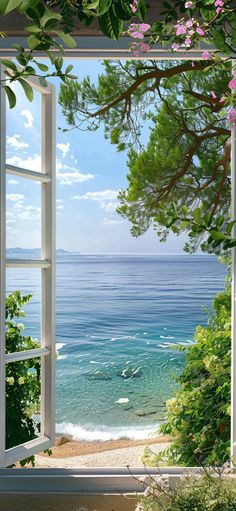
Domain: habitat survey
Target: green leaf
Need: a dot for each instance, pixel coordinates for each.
(33, 29)
(33, 42)
(197, 215)
(27, 89)
(122, 13)
(217, 235)
(49, 15)
(41, 66)
(9, 63)
(25, 4)
(66, 39)
(7, 6)
(184, 210)
(110, 25)
(43, 81)
(68, 69)
(11, 96)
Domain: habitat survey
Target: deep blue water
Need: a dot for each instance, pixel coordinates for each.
(117, 317)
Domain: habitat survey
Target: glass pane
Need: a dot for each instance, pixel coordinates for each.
(22, 401)
(23, 287)
(23, 218)
(23, 131)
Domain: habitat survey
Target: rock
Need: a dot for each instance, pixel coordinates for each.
(140, 413)
(61, 440)
(99, 375)
(152, 411)
(122, 400)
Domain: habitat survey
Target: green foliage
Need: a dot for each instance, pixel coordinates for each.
(22, 378)
(198, 416)
(179, 182)
(207, 492)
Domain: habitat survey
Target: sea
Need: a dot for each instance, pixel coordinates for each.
(118, 320)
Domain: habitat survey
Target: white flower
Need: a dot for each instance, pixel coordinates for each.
(20, 327)
(10, 380)
(21, 380)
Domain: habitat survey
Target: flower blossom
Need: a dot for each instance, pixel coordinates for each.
(219, 4)
(232, 84)
(213, 94)
(231, 116)
(137, 30)
(188, 5)
(133, 6)
(206, 55)
(175, 46)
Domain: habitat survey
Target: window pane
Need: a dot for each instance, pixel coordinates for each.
(23, 286)
(22, 401)
(23, 218)
(23, 131)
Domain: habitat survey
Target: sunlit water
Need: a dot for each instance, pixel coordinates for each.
(117, 317)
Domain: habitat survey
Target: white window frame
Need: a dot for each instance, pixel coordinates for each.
(115, 480)
(46, 176)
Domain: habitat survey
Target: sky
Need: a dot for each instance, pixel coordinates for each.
(90, 173)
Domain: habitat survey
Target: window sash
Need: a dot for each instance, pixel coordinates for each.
(46, 264)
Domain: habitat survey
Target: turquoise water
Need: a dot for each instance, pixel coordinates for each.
(117, 317)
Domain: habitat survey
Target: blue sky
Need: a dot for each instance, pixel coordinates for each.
(90, 172)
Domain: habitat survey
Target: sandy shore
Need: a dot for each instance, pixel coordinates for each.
(115, 453)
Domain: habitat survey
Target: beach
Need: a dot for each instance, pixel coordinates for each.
(115, 453)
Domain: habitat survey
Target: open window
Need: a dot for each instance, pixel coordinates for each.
(45, 353)
(46, 264)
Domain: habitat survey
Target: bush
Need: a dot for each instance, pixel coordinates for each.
(206, 492)
(198, 417)
(22, 378)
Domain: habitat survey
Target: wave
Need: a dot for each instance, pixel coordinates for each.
(166, 337)
(60, 345)
(105, 433)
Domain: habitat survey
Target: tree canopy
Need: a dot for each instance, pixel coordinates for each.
(181, 180)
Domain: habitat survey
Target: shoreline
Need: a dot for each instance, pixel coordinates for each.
(69, 453)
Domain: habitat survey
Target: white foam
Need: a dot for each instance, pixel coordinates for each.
(59, 345)
(122, 400)
(166, 337)
(104, 433)
(61, 357)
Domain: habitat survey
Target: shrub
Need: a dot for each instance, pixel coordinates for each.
(206, 492)
(22, 378)
(198, 416)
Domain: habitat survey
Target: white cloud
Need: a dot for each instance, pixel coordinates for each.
(108, 221)
(12, 182)
(109, 206)
(105, 198)
(29, 118)
(71, 175)
(15, 197)
(64, 148)
(16, 142)
(101, 196)
(30, 212)
(31, 162)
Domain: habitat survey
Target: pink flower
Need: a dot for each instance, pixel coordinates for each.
(219, 3)
(200, 31)
(187, 41)
(145, 48)
(137, 30)
(180, 29)
(213, 94)
(206, 55)
(144, 27)
(193, 64)
(232, 84)
(189, 23)
(188, 5)
(222, 100)
(191, 32)
(133, 7)
(137, 35)
(175, 46)
(231, 116)
(219, 10)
